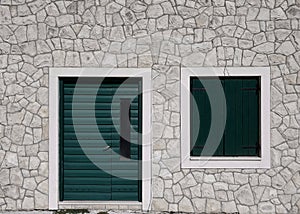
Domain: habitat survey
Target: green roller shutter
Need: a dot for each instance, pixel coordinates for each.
(91, 164)
(241, 134)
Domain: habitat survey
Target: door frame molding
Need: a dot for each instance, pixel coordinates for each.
(54, 74)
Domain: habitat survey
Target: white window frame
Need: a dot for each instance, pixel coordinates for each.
(54, 75)
(225, 162)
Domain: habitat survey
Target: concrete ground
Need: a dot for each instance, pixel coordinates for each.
(79, 212)
(86, 212)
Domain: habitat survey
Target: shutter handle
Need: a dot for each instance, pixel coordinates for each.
(106, 148)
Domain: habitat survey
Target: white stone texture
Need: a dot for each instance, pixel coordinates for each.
(244, 195)
(154, 11)
(163, 35)
(5, 15)
(185, 205)
(158, 187)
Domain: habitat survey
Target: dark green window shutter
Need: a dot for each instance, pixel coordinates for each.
(241, 134)
(201, 105)
(80, 178)
(251, 94)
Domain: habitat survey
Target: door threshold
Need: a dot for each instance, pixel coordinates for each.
(101, 205)
(101, 202)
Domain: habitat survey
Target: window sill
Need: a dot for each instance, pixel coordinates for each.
(225, 162)
(245, 158)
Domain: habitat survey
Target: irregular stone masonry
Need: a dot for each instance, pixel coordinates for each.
(163, 35)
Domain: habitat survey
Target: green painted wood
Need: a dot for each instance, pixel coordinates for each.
(103, 113)
(97, 98)
(106, 164)
(89, 180)
(124, 196)
(104, 84)
(232, 136)
(133, 157)
(88, 196)
(96, 106)
(199, 108)
(94, 151)
(241, 135)
(202, 107)
(101, 91)
(220, 150)
(69, 173)
(242, 111)
(86, 128)
(80, 178)
(96, 143)
(239, 123)
(99, 121)
(125, 188)
(123, 165)
(91, 136)
(82, 158)
(88, 188)
(250, 145)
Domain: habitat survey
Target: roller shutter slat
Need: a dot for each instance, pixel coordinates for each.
(97, 99)
(101, 113)
(88, 196)
(101, 91)
(96, 106)
(81, 158)
(87, 128)
(96, 143)
(91, 181)
(99, 121)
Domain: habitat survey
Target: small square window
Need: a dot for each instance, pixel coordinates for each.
(240, 112)
(225, 118)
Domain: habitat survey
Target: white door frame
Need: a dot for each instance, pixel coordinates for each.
(54, 74)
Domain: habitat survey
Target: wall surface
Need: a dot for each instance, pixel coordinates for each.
(163, 35)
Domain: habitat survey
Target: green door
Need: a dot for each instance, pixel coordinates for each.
(100, 139)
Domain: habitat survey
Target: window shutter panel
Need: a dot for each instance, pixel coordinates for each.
(241, 133)
(233, 135)
(250, 116)
(202, 107)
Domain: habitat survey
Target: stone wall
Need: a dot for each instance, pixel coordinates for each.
(163, 35)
